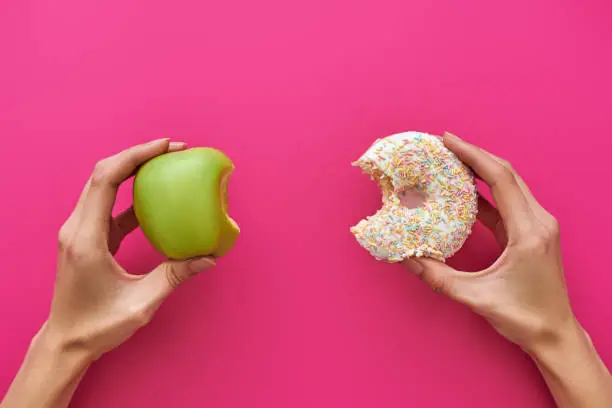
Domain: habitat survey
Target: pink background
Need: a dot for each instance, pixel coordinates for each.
(298, 315)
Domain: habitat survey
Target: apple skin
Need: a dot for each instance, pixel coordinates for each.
(180, 201)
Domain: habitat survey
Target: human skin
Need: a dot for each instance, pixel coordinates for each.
(93, 289)
(523, 294)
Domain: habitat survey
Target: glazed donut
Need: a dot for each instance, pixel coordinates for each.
(420, 166)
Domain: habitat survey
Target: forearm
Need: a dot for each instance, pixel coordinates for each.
(48, 376)
(574, 372)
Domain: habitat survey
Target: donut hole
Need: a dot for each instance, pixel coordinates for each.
(411, 198)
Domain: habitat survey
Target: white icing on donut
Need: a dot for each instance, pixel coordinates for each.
(438, 228)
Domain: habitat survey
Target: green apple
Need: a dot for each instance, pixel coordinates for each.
(180, 201)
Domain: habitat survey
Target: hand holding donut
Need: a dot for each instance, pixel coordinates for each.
(523, 294)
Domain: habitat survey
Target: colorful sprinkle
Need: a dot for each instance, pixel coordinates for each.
(439, 228)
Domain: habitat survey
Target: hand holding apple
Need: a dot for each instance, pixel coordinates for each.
(92, 288)
(96, 305)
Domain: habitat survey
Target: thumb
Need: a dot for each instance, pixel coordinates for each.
(439, 276)
(169, 275)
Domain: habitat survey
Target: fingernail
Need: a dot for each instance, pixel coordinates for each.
(414, 265)
(201, 264)
(173, 146)
(451, 135)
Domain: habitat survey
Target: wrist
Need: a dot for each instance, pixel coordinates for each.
(49, 374)
(568, 338)
(54, 346)
(572, 369)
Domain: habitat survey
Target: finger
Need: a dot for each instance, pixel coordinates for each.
(110, 173)
(524, 188)
(171, 274)
(440, 277)
(120, 227)
(489, 216)
(172, 146)
(126, 222)
(511, 202)
(487, 213)
(535, 206)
